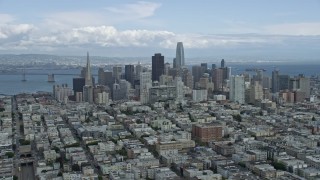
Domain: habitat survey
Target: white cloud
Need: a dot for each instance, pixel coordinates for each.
(294, 29)
(137, 10)
(9, 30)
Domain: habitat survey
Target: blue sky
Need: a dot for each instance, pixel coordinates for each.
(209, 28)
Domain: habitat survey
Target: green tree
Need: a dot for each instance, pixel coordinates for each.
(75, 167)
(237, 117)
(10, 154)
(15, 177)
(279, 166)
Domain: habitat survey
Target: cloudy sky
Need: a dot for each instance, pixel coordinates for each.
(208, 28)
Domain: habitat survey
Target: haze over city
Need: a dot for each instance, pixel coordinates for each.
(281, 30)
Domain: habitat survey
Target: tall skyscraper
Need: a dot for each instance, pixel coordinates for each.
(179, 61)
(222, 63)
(117, 70)
(138, 70)
(275, 81)
(197, 72)
(88, 88)
(284, 82)
(217, 78)
(157, 66)
(304, 85)
(78, 84)
(88, 78)
(237, 90)
(129, 74)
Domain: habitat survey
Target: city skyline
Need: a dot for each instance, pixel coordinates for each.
(273, 29)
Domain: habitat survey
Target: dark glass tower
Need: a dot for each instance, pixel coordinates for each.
(129, 73)
(157, 66)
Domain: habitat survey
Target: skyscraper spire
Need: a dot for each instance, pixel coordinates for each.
(88, 78)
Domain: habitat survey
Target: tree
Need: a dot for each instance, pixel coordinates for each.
(75, 167)
(279, 166)
(237, 117)
(15, 177)
(10, 154)
(313, 118)
(2, 109)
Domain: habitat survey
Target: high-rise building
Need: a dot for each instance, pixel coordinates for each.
(88, 78)
(78, 84)
(129, 74)
(166, 68)
(179, 56)
(120, 90)
(222, 63)
(138, 70)
(88, 88)
(101, 77)
(237, 90)
(304, 85)
(117, 71)
(157, 66)
(217, 78)
(275, 81)
(145, 85)
(197, 72)
(62, 92)
(100, 94)
(204, 67)
(213, 66)
(256, 92)
(187, 78)
(179, 88)
(284, 82)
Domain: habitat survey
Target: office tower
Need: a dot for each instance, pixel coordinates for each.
(213, 66)
(174, 63)
(179, 88)
(222, 63)
(117, 70)
(145, 85)
(237, 93)
(157, 66)
(78, 84)
(304, 86)
(204, 67)
(166, 68)
(275, 81)
(129, 74)
(101, 77)
(284, 82)
(187, 78)
(179, 61)
(138, 70)
(197, 72)
(204, 82)
(88, 78)
(217, 78)
(256, 92)
(88, 88)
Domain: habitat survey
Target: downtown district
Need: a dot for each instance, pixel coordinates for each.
(164, 122)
